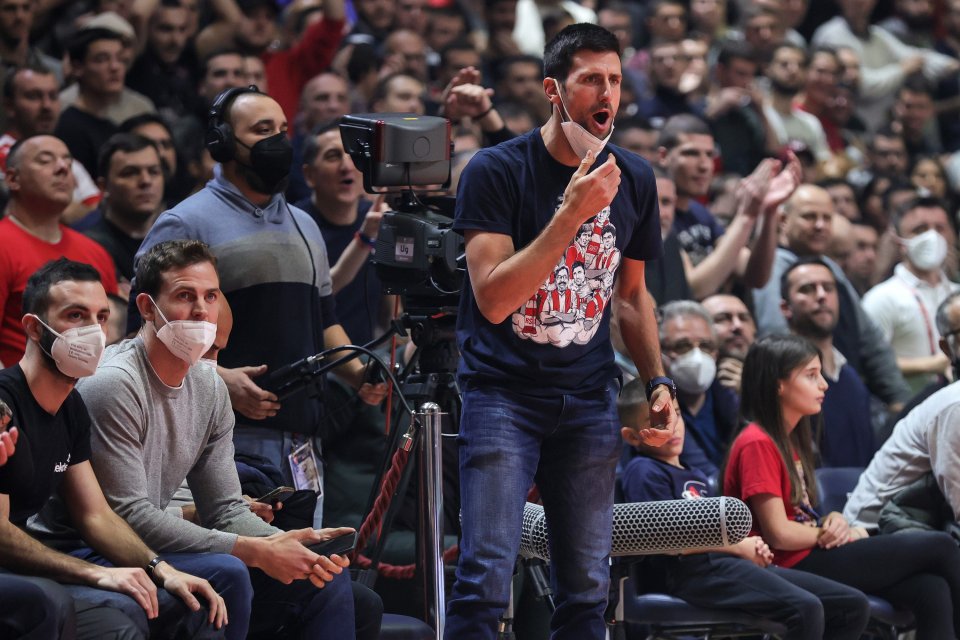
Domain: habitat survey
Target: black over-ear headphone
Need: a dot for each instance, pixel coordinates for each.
(219, 140)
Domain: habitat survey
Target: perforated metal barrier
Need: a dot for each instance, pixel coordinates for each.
(642, 528)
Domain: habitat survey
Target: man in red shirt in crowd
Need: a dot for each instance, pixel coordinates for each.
(41, 182)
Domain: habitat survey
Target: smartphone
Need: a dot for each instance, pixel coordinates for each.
(277, 495)
(339, 545)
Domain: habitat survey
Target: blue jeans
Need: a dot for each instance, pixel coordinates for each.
(227, 574)
(569, 445)
(300, 610)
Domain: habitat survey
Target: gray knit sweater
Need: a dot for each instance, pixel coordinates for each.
(147, 437)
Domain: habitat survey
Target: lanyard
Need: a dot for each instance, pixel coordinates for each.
(927, 323)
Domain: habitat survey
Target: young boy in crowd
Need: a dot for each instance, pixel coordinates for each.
(739, 576)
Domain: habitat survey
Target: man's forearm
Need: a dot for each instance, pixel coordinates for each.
(110, 536)
(707, 277)
(638, 326)
(506, 286)
(760, 264)
(22, 554)
(352, 371)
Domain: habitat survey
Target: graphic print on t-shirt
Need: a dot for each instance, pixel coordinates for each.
(570, 303)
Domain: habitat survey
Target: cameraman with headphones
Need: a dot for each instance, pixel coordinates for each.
(274, 271)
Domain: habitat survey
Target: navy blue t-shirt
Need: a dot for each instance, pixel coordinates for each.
(47, 445)
(358, 302)
(648, 480)
(559, 340)
(697, 230)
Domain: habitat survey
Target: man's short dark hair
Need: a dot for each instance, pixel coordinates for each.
(682, 124)
(383, 87)
(506, 62)
(216, 53)
(559, 52)
(786, 44)
(886, 131)
(125, 142)
(802, 262)
(310, 146)
(135, 122)
(80, 43)
(9, 80)
(920, 202)
(731, 50)
(173, 254)
(36, 296)
(459, 44)
(916, 82)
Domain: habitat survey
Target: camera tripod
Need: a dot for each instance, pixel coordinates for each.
(428, 382)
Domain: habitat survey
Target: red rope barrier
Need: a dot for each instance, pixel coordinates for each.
(375, 518)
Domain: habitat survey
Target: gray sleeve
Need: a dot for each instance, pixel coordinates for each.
(880, 370)
(214, 481)
(119, 422)
(766, 301)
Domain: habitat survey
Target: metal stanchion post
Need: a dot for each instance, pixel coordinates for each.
(431, 516)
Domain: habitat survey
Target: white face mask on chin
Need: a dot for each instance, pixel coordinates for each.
(579, 138)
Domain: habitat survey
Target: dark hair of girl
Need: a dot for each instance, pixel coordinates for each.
(769, 362)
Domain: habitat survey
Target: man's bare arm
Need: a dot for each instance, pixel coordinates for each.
(99, 526)
(504, 278)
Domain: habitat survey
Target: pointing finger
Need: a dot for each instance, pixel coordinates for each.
(585, 164)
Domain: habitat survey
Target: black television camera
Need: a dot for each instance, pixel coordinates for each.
(418, 255)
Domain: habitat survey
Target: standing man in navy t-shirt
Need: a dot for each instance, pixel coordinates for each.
(539, 389)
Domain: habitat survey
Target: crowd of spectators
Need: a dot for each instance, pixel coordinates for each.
(807, 162)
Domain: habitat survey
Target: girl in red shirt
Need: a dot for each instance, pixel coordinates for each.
(770, 467)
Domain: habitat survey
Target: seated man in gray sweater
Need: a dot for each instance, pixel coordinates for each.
(159, 417)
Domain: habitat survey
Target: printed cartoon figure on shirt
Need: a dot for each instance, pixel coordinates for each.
(568, 307)
(694, 490)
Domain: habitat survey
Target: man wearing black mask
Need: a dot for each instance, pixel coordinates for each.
(274, 271)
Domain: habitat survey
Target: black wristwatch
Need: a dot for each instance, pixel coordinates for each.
(153, 565)
(661, 380)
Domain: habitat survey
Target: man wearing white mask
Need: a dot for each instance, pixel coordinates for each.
(65, 307)
(161, 416)
(905, 305)
(689, 349)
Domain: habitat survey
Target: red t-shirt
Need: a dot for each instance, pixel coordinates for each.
(756, 467)
(21, 254)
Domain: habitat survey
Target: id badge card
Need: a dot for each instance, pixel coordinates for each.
(304, 468)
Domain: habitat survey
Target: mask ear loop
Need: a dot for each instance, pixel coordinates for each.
(563, 106)
(55, 333)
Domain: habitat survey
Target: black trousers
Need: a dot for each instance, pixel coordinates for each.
(809, 606)
(915, 570)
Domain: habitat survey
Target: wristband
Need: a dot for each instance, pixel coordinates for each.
(484, 114)
(365, 239)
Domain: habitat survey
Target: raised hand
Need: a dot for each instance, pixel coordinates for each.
(784, 183)
(587, 193)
